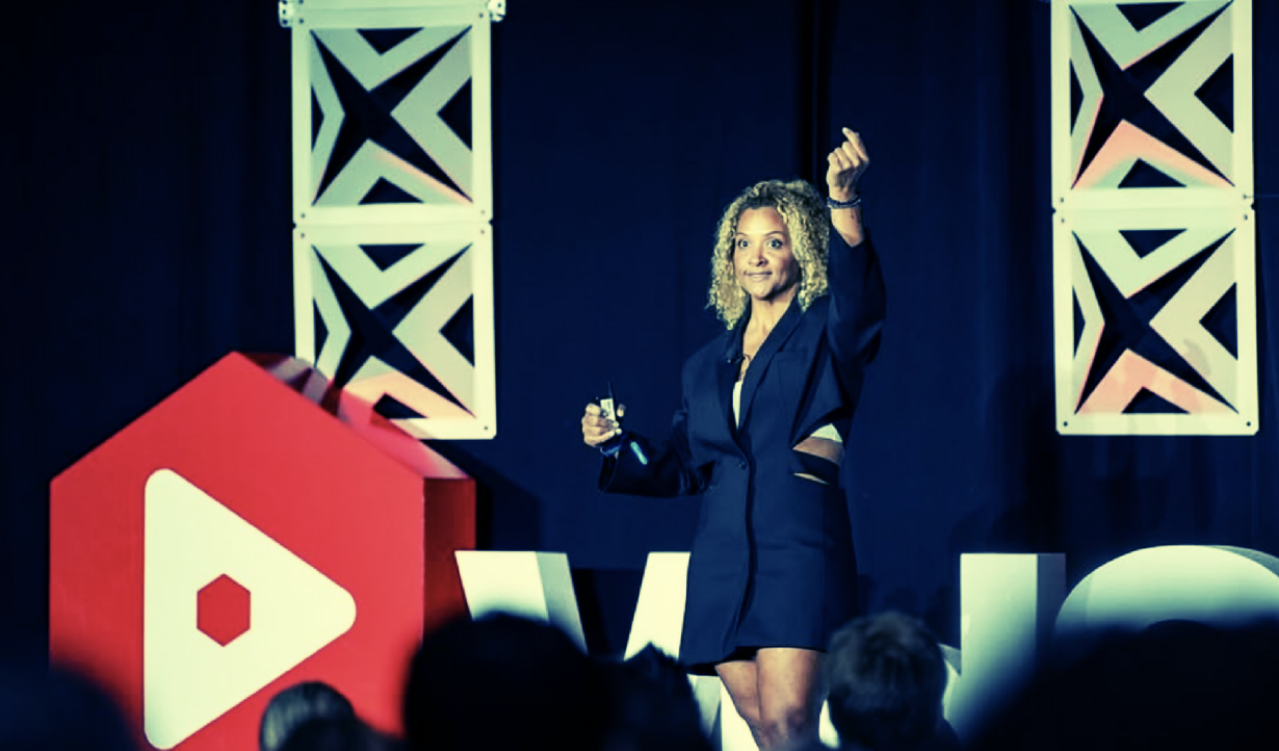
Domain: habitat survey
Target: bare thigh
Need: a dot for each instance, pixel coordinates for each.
(740, 678)
(781, 686)
(789, 687)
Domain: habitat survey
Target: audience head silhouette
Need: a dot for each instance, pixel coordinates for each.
(651, 705)
(886, 678)
(55, 710)
(501, 683)
(1173, 685)
(297, 705)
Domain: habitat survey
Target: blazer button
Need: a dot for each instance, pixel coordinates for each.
(741, 466)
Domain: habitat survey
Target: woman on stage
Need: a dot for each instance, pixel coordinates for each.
(766, 408)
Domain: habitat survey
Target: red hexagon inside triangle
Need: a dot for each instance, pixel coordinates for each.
(223, 610)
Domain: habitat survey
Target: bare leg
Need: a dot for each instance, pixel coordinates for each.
(778, 693)
(741, 681)
(789, 690)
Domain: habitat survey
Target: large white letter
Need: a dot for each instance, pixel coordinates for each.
(1007, 606)
(1210, 584)
(537, 586)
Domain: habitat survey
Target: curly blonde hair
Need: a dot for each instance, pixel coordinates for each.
(804, 212)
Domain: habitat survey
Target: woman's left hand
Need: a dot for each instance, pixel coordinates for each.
(846, 164)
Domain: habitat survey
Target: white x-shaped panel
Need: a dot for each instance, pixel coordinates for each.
(391, 112)
(392, 199)
(1154, 285)
(1152, 103)
(1155, 322)
(402, 316)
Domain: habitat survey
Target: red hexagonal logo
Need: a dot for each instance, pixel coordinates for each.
(255, 529)
(222, 610)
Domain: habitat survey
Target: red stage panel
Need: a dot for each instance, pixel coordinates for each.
(253, 530)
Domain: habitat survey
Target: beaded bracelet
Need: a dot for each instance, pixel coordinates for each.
(833, 204)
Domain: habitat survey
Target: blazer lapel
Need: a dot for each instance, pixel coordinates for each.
(759, 365)
(726, 376)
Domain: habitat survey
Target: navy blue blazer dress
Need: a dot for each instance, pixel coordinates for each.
(772, 561)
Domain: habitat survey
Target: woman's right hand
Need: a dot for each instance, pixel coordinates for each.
(596, 428)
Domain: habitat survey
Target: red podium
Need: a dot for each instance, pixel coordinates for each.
(255, 529)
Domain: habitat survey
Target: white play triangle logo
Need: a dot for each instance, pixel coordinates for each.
(189, 680)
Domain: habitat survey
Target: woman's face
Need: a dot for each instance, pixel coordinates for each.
(762, 260)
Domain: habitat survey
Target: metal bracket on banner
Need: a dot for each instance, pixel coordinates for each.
(295, 13)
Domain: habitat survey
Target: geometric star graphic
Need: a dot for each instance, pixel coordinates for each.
(404, 316)
(369, 115)
(1150, 97)
(1154, 271)
(1124, 95)
(391, 117)
(1128, 328)
(372, 330)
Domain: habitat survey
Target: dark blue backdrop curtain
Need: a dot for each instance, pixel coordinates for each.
(146, 199)
(148, 205)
